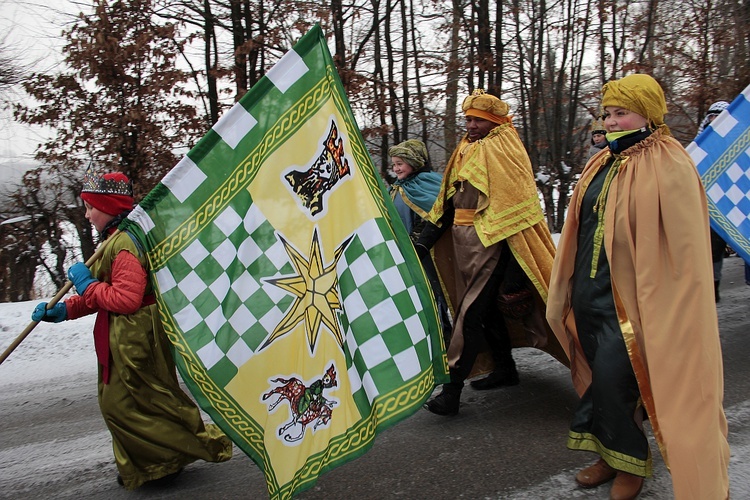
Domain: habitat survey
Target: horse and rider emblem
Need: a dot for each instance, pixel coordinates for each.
(307, 404)
(326, 171)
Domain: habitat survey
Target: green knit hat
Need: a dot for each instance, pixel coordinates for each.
(413, 152)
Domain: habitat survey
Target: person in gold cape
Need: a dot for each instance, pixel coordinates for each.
(489, 210)
(631, 300)
(156, 428)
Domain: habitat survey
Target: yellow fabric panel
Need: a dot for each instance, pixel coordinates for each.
(498, 166)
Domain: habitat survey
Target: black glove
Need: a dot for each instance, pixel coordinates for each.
(422, 251)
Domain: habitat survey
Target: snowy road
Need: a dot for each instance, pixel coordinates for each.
(505, 444)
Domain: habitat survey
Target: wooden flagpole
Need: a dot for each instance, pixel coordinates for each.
(66, 287)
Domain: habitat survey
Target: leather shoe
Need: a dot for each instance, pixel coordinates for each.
(496, 379)
(626, 486)
(445, 403)
(594, 475)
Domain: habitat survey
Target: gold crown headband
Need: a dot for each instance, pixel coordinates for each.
(94, 183)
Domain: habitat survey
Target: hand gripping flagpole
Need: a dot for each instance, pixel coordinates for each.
(66, 287)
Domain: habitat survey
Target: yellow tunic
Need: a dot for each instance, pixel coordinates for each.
(657, 242)
(156, 428)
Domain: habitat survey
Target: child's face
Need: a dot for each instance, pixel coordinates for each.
(401, 168)
(98, 218)
(618, 119)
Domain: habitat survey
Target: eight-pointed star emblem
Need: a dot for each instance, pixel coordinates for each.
(315, 287)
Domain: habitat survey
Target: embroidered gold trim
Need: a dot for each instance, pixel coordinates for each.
(599, 206)
(620, 461)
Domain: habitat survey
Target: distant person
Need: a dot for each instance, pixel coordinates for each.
(630, 297)
(598, 137)
(718, 245)
(156, 428)
(489, 207)
(714, 110)
(413, 194)
(416, 185)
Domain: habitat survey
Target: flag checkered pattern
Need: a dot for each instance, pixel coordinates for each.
(251, 284)
(722, 155)
(216, 290)
(385, 333)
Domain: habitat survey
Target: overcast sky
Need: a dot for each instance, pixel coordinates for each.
(30, 31)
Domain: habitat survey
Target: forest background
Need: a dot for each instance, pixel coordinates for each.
(143, 80)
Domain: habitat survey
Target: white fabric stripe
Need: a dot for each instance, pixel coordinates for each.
(697, 153)
(210, 354)
(290, 68)
(234, 125)
(140, 217)
(724, 123)
(407, 363)
(165, 280)
(184, 179)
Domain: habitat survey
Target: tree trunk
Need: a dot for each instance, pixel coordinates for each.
(211, 61)
(238, 43)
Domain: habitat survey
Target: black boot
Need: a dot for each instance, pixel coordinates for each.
(716, 291)
(498, 378)
(445, 403)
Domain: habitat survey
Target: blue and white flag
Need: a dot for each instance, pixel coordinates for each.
(722, 154)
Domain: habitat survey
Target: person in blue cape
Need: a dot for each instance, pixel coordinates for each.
(413, 194)
(416, 186)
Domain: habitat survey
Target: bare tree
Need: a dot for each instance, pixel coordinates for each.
(119, 105)
(11, 69)
(404, 66)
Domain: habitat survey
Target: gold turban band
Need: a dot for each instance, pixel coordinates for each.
(486, 106)
(638, 93)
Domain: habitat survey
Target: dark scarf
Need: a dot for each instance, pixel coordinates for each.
(112, 225)
(622, 143)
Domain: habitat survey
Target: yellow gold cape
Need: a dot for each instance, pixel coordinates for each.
(508, 209)
(657, 242)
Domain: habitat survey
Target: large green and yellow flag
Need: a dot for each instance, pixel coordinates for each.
(300, 316)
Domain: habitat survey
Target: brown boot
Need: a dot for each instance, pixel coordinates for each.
(594, 475)
(626, 486)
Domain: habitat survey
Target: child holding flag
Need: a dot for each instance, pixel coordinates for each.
(156, 428)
